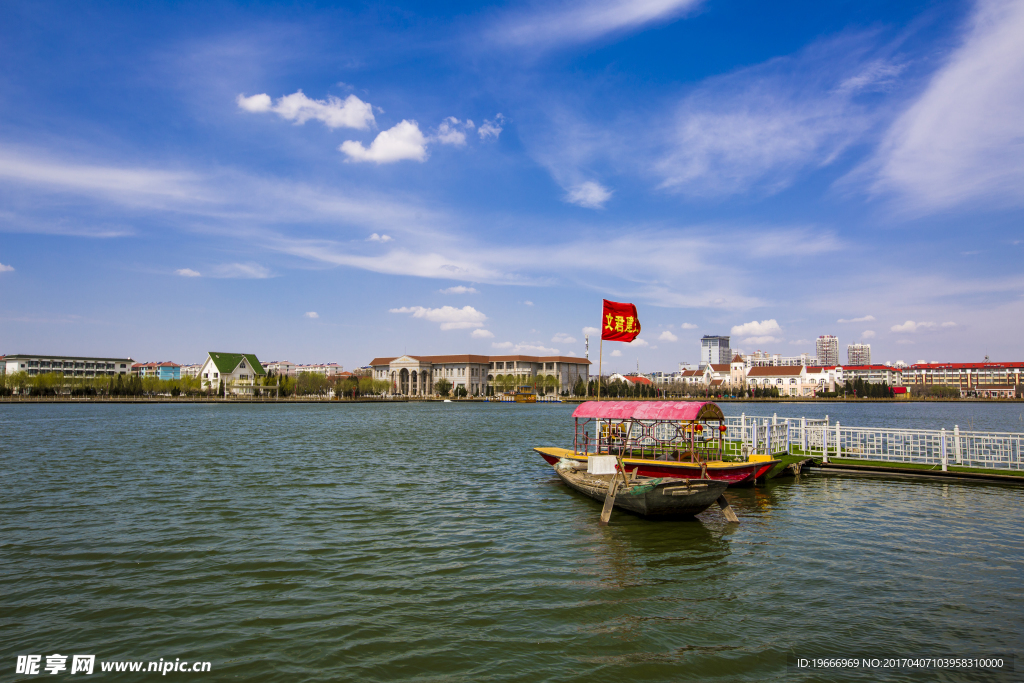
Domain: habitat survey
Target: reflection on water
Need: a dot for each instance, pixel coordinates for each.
(428, 542)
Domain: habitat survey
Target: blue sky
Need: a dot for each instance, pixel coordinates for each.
(330, 183)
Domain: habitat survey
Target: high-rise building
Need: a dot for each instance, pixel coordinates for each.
(858, 354)
(828, 350)
(714, 350)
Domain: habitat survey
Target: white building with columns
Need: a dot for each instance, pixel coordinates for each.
(417, 375)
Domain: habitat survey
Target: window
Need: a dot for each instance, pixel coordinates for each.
(216, 375)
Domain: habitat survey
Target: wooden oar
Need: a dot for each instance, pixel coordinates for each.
(613, 487)
(609, 501)
(727, 512)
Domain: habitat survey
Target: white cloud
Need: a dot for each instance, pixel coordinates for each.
(590, 330)
(256, 103)
(763, 339)
(911, 326)
(379, 238)
(403, 141)
(449, 317)
(491, 129)
(961, 140)
(589, 195)
(754, 328)
(576, 21)
(571, 353)
(761, 126)
(312, 314)
(186, 272)
(449, 134)
(242, 271)
(616, 353)
(865, 319)
(949, 324)
(536, 348)
(638, 342)
(458, 289)
(351, 112)
(687, 326)
(867, 334)
(563, 338)
(527, 303)
(798, 342)
(667, 336)
(482, 334)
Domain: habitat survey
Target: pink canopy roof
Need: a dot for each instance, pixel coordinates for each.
(649, 410)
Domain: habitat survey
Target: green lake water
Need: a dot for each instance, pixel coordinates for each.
(427, 542)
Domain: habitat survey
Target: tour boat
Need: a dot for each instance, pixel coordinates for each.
(661, 497)
(680, 439)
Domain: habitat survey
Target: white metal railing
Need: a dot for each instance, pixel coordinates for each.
(937, 447)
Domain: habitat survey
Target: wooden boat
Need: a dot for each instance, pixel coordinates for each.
(678, 439)
(526, 397)
(649, 497)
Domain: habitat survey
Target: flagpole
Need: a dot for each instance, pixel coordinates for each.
(600, 363)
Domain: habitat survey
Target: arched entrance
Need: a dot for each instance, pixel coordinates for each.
(403, 382)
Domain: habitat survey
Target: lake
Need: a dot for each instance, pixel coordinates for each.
(427, 542)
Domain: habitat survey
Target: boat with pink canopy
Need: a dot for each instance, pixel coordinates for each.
(681, 439)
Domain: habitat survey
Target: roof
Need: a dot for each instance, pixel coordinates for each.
(966, 366)
(721, 367)
(691, 373)
(483, 360)
(649, 410)
(227, 362)
(637, 380)
(872, 367)
(737, 359)
(51, 356)
(775, 370)
(899, 390)
(822, 368)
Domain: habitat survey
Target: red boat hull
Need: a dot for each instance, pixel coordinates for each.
(731, 473)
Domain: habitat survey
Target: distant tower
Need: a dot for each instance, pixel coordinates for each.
(586, 343)
(858, 354)
(828, 350)
(714, 350)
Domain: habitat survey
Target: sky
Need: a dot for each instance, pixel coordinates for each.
(331, 183)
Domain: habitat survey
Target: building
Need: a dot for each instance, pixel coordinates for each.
(237, 371)
(790, 380)
(714, 350)
(286, 368)
(69, 366)
(283, 368)
(970, 378)
(874, 374)
(330, 370)
(760, 358)
(190, 370)
(418, 375)
(858, 354)
(827, 348)
(165, 370)
(632, 379)
(819, 378)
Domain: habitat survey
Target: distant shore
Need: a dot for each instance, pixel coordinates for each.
(27, 400)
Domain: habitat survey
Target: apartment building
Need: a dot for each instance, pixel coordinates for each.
(69, 366)
(858, 354)
(827, 348)
(165, 370)
(968, 377)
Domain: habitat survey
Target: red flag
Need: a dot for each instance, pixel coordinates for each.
(619, 322)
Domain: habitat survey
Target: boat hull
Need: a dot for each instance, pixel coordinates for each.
(732, 473)
(653, 498)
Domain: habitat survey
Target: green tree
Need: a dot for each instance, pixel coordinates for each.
(443, 387)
